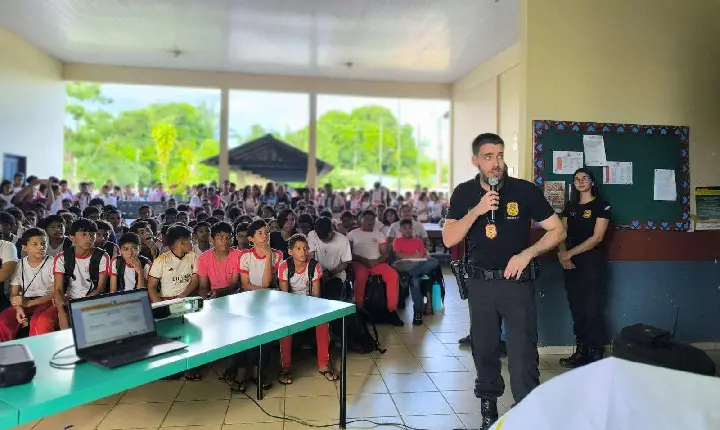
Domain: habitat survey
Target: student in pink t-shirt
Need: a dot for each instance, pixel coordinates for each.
(219, 267)
(407, 246)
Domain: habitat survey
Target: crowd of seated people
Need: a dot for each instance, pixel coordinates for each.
(58, 245)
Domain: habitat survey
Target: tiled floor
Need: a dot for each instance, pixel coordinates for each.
(425, 380)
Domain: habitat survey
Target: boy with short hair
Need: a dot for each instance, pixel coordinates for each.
(201, 237)
(114, 218)
(129, 270)
(30, 289)
(407, 246)
(175, 270)
(305, 224)
(54, 227)
(148, 247)
(219, 267)
(92, 213)
(102, 239)
(241, 236)
(89, 273)
(332, 250)
(301, 275)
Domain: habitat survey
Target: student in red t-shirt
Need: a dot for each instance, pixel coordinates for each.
(407, 246)
(301, 283)
(219, 267)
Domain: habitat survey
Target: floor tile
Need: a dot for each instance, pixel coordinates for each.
(357, 384)
(310, 386)
(80, 418)
(27, 426)
(246, 411)
(442, 364)
(418, 338)
(376, 423)
(546, 375)
(254, 426)
(371, 405)
(450, 337)
(435, 422)
(469, 364)
(363, 366)
(209, 427)
(110, 400)
(409, 383)
(432, 350)
(204, 390)
(195, 413)
(398, 366)
(160, 391)
(462, 402)
(453, 381)
(313, 408)
(136, 415)
(421, 404)
(393, 352)
(472, 421)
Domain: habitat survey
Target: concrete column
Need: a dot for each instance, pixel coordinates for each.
(311, 178)
(224, 161)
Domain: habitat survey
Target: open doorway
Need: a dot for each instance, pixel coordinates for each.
(13, 164)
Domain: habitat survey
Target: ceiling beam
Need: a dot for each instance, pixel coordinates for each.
(240, 81)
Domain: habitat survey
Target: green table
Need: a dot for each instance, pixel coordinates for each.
(8, 416)
(226, 326)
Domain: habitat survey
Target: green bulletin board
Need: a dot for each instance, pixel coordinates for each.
(648, 147)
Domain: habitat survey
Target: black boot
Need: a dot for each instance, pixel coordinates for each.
(488, 408)
(577, 359)
(465, 340)
(595, 354)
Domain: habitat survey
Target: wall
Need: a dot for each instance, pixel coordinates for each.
(32, 106)
(648, 62)
(487, 100)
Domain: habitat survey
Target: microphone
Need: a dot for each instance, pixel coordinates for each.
(493, 182)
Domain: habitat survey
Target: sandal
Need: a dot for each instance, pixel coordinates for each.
(329, 375)
(266, 383)
(193, 375)
(238, 386)
(284, 378)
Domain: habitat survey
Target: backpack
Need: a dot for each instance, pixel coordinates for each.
(69, 267)
(120, 269)
(312, 264)
(376, 300)
(361, 332)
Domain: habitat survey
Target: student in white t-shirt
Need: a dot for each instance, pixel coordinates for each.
(30, 290)
(295, 277)
(82, 283)
(332, 250)
(136, 268)
(255, 273)
(175, 270)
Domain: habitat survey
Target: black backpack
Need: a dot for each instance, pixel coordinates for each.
(376, 301)
(69, 267)
(362, 334)
(311, 272)
(120, 269)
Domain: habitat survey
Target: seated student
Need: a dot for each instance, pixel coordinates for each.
(347, 223)
(114, 218)
(273, 225)
(241, 236)
(102, 239)
(219, 267)
(406, 212)
(89, 275)
(148, 246)
(219, 214)
(332, 251)
(92, 213)
(54, 227)
(30, 219)
(183, 217)
(68, 218)
(175, 270)
(8, 227)
(145, 212)
(201, 237)
(233, 214)
(279, 240)
(370, 255)
(305, 224)
(129, 270)
(407, 246)
(31, 290)
(297, 277)
(170, 216)
(8, 260)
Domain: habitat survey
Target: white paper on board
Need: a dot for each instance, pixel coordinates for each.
(566, 162)
(664, 186)
(594, 146)
(618, 173)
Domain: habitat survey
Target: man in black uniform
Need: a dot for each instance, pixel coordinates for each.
(501, 277)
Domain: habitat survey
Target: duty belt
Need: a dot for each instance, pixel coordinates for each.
(530, 273)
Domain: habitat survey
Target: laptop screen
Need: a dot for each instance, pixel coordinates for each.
(111, 318)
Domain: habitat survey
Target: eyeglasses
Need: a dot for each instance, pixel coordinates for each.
(582, 180)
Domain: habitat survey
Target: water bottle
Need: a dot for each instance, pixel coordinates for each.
(437, 303)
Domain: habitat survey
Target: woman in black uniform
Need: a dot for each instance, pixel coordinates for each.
(586, 218)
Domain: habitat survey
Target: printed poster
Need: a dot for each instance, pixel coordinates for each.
(555, 195)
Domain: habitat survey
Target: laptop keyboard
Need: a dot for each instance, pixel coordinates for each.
(132, 352)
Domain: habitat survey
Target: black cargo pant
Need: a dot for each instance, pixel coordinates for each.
(515, 303)
(586, 288)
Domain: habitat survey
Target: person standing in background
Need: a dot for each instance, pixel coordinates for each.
(586, 218)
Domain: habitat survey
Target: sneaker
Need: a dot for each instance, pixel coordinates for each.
(465, 340)
(577, 359)
(396, 321)
(417, 318)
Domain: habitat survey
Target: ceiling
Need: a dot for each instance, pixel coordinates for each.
(398, 40)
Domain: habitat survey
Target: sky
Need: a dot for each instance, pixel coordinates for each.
(289, 111)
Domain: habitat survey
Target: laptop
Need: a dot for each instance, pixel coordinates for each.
(113, 330)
